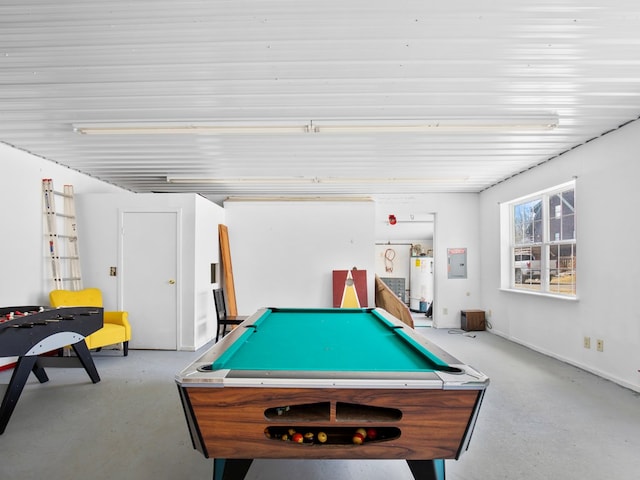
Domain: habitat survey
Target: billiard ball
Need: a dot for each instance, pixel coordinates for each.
(297, 437)
(372, 433)
(362, 432)
(358, 439)
(322, 437)
(308, 437)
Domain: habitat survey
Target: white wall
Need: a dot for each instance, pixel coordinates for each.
(283, 253)
(25, 275)
(607, 196)
(98, 222)
(208, 216)
(25, 278)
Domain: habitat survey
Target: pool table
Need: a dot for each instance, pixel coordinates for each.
(329, 384)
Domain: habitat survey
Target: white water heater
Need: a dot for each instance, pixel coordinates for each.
(421, 283)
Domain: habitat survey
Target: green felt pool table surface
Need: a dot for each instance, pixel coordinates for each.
(326, 339)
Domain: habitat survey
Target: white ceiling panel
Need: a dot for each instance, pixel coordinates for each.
(467, 63)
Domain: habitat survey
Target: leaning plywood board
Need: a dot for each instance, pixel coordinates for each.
(225, 251)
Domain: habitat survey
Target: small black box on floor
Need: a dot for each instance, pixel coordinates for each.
(472, 320)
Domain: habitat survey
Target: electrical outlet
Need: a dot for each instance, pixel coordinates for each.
(600, 345)
(445, 311)
(488, 313)
(587, 342)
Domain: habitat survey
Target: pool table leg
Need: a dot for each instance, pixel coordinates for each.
(236, 469)
(230, 469)
(427, 469)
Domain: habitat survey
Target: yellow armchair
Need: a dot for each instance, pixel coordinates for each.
(116, 328)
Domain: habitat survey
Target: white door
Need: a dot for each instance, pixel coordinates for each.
(148, 281)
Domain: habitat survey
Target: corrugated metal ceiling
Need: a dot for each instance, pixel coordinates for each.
(65, 63)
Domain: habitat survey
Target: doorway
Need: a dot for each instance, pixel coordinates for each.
(149, 282)
(399, 245)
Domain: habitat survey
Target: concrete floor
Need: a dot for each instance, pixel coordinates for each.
(541, 420)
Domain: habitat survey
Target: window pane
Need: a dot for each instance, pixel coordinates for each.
(555, 229)
(562, 269)
(568, 228)
(537, 230)
(561, 216)
(527, 221)
(527, 273)
(568, 202)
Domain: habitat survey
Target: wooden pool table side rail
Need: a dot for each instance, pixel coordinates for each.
(230, 422)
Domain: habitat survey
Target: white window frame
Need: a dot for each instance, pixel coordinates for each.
(509, 247)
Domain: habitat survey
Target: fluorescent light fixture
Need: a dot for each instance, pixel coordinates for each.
(312, 180)
(243, 180)
(462, 125)
(328, 126)
(204, 128)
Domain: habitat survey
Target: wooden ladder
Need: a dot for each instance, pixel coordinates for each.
(62, 249)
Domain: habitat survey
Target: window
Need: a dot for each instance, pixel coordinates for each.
(542, 248)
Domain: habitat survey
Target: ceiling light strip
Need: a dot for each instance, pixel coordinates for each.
(488, 125)
(312, 180)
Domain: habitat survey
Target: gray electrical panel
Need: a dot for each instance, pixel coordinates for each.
(457, 262)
